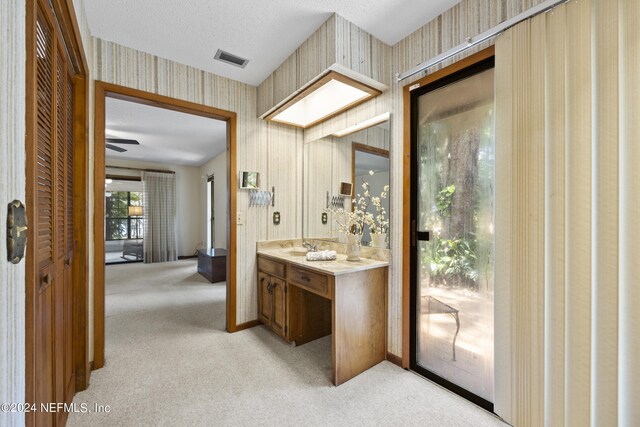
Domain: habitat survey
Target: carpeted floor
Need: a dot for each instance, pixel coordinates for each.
(170, 363)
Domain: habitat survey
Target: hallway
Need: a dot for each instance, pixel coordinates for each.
(170, 362)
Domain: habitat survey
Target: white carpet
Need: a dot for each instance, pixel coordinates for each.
(169, 362)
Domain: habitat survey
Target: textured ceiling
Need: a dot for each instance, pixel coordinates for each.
(265, 32)
(165, 136)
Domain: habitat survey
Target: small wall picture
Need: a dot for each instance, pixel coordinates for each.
(346, 189)
(249, 180)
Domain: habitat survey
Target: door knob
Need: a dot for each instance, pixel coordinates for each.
(16, 231)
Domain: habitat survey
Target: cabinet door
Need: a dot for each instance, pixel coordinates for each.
(265, 301)
(279, 295)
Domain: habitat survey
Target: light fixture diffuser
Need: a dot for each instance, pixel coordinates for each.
(328, 96)
(363, 125)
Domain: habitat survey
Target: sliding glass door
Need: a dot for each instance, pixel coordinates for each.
(453, 221)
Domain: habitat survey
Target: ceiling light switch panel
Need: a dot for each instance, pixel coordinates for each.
(240, 218)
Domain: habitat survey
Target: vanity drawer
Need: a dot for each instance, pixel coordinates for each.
(272, 267)
(310, 280)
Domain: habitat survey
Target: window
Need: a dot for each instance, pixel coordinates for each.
(120, 225)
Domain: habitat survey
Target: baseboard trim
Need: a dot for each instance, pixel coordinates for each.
(181, 257)
(396, 360)
(247, 325)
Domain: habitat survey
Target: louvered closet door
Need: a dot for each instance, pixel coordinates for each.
(53, 222)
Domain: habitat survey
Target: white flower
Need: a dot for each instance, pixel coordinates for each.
(353, 221)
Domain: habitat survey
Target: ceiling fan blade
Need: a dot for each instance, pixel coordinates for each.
(116, 148)
(122, 141)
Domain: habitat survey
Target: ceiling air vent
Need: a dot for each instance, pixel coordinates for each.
(230, 58)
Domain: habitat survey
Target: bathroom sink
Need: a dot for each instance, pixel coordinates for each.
(297, 252)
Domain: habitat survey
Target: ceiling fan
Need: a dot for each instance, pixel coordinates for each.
(111, 141)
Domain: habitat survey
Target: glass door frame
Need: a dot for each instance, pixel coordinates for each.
(474, 66)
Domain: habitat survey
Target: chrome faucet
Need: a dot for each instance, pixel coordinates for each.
(310, 247)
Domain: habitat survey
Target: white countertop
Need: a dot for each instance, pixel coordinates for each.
(294, 256)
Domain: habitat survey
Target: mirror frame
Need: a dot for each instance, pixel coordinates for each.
(356, 146)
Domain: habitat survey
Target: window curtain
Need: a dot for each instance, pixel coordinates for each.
(568, 217)
(159, 210)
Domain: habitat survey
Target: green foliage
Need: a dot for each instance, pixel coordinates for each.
(117, 220)
(452, 258)
(444, 198)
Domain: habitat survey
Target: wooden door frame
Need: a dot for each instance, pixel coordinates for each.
(406, 187)
(65, 15)
(102, 91)
(356, 146)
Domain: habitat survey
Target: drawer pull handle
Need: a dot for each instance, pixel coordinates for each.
(305, 278)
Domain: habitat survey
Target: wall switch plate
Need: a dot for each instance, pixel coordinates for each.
(324, 217)
(240, 218)
(276, 218)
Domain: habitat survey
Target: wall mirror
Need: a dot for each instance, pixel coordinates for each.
(330, 163)
(249, 180)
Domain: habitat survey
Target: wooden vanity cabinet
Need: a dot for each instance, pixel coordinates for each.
(272, 296)
(302, 304)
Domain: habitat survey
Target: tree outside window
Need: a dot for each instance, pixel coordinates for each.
(119, 224)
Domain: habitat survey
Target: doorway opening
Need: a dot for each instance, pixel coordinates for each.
(452, 220)
(191, 183)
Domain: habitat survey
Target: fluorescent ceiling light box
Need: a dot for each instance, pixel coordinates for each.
(326, 97)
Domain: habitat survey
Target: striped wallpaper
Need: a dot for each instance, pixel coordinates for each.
(337, 44)
(12, 179)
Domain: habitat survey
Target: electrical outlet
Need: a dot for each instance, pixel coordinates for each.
(276, 218)
(240, 218)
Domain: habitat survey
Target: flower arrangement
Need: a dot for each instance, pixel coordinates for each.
(354, 221)
(379, 223)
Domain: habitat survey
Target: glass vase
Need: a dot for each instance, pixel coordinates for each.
(353, 247)
(379, 240)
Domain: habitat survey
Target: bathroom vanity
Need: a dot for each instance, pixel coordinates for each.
(304, 300)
